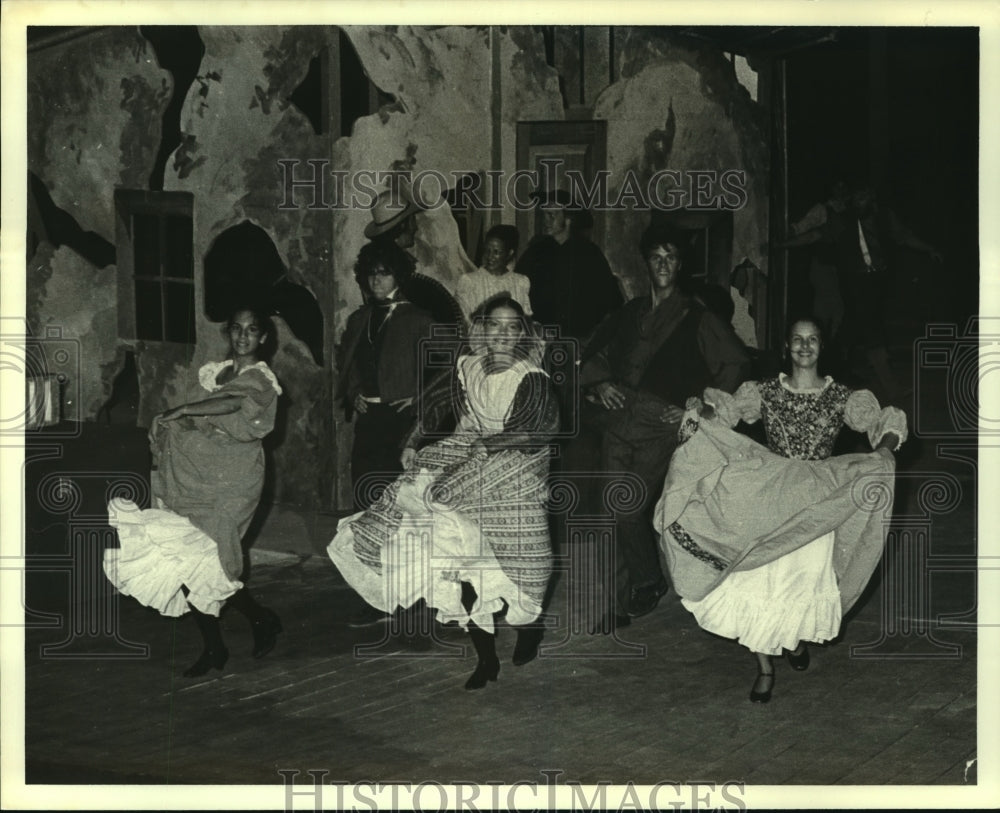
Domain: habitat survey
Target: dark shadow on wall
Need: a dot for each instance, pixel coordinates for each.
(48, 223)
(179, 49)
(243, 265)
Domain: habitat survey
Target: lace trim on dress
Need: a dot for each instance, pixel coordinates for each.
(210, 371)
(685, 541)
(783, 379)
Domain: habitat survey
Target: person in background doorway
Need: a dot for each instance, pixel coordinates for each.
(572, 285)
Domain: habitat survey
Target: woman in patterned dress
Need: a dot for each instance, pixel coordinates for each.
(184, 554)
(772, 546)
(465, 526)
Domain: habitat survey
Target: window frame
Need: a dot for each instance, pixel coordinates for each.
(131, 202)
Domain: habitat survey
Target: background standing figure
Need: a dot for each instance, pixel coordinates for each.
(572, 285)
(380, 367)
(771, 546)
(394, 220)
(821, 228)
(208, 472)
(495, 276)
(867, 281)
(465, 527)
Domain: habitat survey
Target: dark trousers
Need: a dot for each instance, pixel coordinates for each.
(378, 437)
(642, 466)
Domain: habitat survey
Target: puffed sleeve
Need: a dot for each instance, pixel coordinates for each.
(743, 405)
(862, 413)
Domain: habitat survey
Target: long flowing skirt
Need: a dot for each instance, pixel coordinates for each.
(160, 551)
(774, 606)
(454, 518)
(766, 549)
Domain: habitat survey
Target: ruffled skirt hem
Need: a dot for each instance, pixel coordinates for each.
(413, 569)
(775, 606)
(161, 551)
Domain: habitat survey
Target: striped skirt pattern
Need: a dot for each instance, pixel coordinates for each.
(454, 517)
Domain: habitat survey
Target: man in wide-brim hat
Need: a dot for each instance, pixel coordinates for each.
(391, 210)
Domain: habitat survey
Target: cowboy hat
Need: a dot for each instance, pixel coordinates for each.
(386, 214)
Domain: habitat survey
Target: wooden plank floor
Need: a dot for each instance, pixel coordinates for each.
(365, 706)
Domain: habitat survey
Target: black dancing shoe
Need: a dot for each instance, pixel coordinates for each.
(265, 632)
(799, 662)
(761, 691)
(485, 671)
(209, 659)
(643, 600)
(526, 648)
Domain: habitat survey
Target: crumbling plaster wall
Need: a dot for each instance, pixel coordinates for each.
(96, 106)
(94, 110)
(441, 121)
(237, 123)
(442, 80)
(715, 126)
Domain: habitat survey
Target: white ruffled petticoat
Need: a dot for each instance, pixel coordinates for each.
(773, 607)
(160, 551)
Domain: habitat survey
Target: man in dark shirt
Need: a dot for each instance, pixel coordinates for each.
(571, 282)
(380, 367)
(639, 370)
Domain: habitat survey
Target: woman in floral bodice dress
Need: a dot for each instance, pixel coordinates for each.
(772, 546)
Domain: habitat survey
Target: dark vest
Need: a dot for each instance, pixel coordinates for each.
(369, 353)
(677, 370)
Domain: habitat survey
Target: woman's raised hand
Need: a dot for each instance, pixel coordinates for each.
(671, 414)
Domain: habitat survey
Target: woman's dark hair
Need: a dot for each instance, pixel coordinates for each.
(812, 320)
(508, 235)
(501, 300)
(785, 354)
(262, 316)
(387, 254)
(505, 300)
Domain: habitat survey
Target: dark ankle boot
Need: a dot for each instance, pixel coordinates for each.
(215, 654)
(528, 639)
(264, 622)
(488, 664)
(265, 633)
